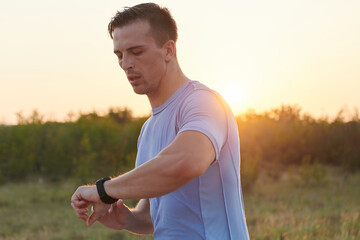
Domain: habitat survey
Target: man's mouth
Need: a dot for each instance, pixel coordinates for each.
(133, 79)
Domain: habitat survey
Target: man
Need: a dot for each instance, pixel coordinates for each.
(187, 165)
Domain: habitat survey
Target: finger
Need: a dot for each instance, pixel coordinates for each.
(75, 196)
(83, 211)
(119, 203)
(115, 205)
(80, 203)
(93, 217)
(97, 212)
(76, 208)
(79, 211)
(82, 216)
(111, 208)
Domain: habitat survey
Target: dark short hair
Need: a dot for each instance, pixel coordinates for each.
(163, 26)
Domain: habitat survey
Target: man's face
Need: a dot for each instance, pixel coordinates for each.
(139, 56)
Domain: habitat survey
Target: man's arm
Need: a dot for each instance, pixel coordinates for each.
(137, 220)
(142, 223)
(187, 157)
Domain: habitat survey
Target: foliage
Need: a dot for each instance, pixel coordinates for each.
(95, 145)
(273, 141)
(90, 147)
(281, 144)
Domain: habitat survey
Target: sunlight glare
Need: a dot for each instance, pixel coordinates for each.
(235, 96)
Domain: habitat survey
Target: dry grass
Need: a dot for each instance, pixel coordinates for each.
(289, 209)
(285, 209)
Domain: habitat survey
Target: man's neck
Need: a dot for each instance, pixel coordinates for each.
(172, 81)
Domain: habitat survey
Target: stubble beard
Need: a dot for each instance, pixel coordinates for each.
(141, 89)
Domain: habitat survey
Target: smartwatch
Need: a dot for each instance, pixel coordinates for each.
(101, 191)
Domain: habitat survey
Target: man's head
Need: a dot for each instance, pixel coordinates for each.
(162, 26)
(144, 42)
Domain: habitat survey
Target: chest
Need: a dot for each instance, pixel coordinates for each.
(159, 132)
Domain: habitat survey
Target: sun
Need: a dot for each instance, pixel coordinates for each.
(235, 96)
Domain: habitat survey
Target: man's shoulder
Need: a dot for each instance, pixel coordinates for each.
(199, 94)
(196, 90)
(197, 85)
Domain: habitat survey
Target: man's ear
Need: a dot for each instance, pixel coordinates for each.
(170, 50)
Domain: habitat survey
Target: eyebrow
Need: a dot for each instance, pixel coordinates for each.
(130, 48)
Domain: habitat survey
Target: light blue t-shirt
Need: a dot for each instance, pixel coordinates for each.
(210, 206)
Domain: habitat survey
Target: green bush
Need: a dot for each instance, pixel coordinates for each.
(92, 146)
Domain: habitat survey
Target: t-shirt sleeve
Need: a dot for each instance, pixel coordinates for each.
(204, 112)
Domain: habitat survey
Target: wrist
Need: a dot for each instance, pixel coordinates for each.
(104, 197)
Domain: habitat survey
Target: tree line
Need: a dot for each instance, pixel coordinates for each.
(95, 145)
(283, 138)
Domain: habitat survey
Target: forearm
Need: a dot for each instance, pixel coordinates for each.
(152, 179)
(187, 157)
(141, 222)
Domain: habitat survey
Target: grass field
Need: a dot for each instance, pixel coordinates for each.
(283, 209)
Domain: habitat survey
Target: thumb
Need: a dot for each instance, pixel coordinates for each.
(119, 203)
(95, 215)
(98, 210)
(91, 219)
(116, 205)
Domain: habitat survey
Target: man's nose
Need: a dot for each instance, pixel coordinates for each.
(126, 63)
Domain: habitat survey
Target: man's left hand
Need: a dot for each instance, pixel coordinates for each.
(84, 197)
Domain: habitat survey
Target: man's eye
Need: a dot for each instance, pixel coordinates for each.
(137, 52)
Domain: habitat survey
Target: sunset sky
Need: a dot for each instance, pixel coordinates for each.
(56, 56)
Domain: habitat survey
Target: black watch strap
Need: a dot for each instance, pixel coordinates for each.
(101, 191)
